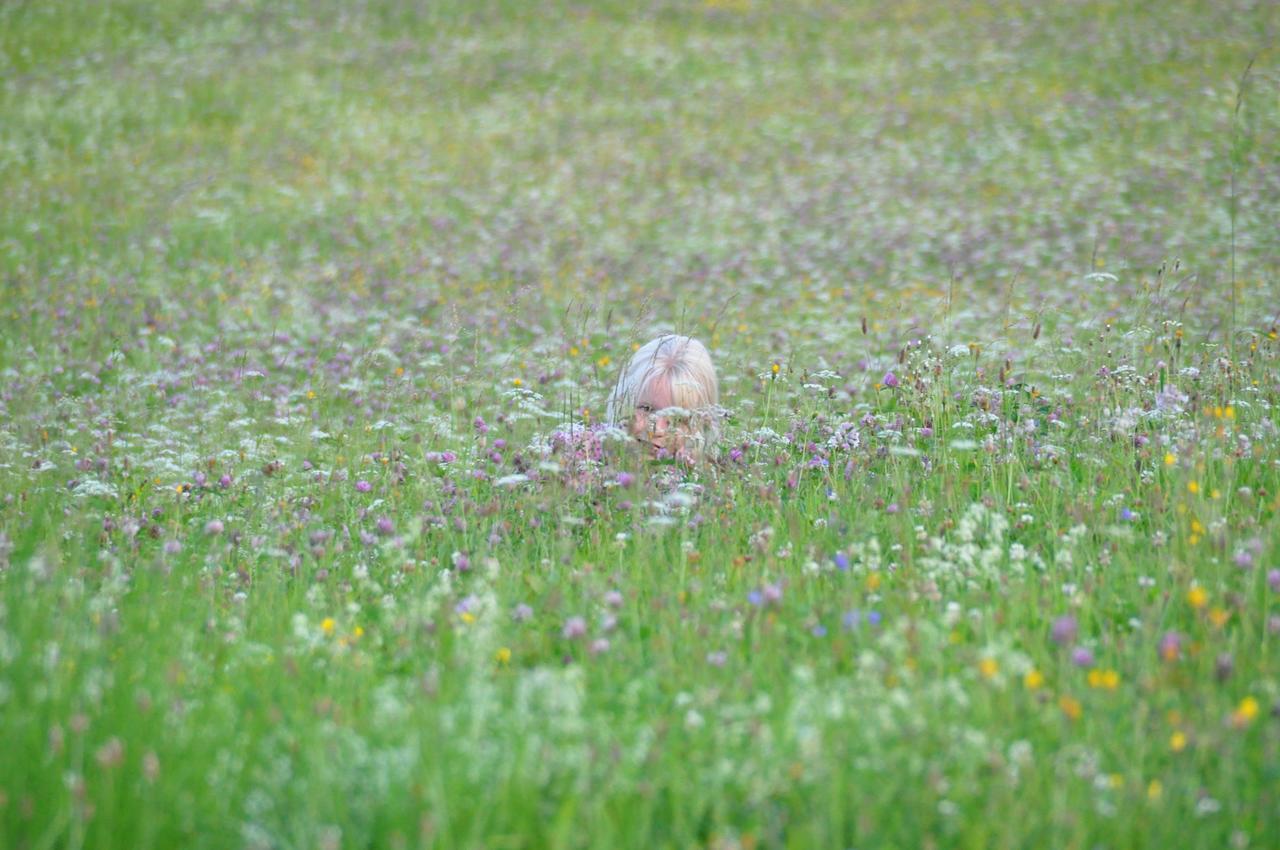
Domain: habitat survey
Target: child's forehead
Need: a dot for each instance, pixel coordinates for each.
(655, 392)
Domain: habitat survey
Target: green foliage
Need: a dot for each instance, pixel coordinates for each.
(310, 534)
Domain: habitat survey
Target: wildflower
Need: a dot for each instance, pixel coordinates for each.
(1033, 680)
(503, 655)
(1170, 648)
(214, 526)
(385, 526)
(1064, 630)
(1193, 487)
(574, 627)
(1154, 790)
(1245, 712)
(1070, 707)
(890, 380)
(988, 667)
(327, 625)
(1273, 580)
(461, 562)
(1223, 666)
(772, 594)
(599, 646)
(1082, 656)
(625, 479)
(363, 486)
(521, 613)
(1107, 680)
(1178, 741)
(613, 599)
(818, 630)
(1197, 597)
(873, 581)
(225, 481)
(150, 766)
(717, 658)
(1219, 616)
(110, 754)
(842, 561)
(1169, 459)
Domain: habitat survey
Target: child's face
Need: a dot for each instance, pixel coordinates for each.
(659, 433)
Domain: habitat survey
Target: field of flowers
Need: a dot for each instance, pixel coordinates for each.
(311, 534)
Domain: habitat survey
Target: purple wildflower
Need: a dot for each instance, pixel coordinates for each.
(1065, 629)
(1170, 647)
(841, 561)
(521, 613)
(385, 525)
(890, 380)
(363, 486)
(1082, 656)
(574, 627)
(1273, 580)
(214, 526)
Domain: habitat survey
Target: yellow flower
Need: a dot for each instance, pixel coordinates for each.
(1033, 680)
(1107, 680)
(1197, 597)
(358, 633)
(326, 625)
(1193, 487)
(1245, 712)
(1070, 707)
(873, 581)
(1219, 617)
(311, 394)
(988, 668)
(776, 368)
(1178, 741)
(468, 617)
(517, 382)
(1169, 459)
(1155, 789)
(503, 655)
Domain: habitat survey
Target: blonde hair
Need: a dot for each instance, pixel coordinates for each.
(683, 364)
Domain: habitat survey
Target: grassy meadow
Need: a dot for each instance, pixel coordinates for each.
(312, 534)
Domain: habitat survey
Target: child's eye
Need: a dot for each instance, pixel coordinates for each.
(644, 408)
